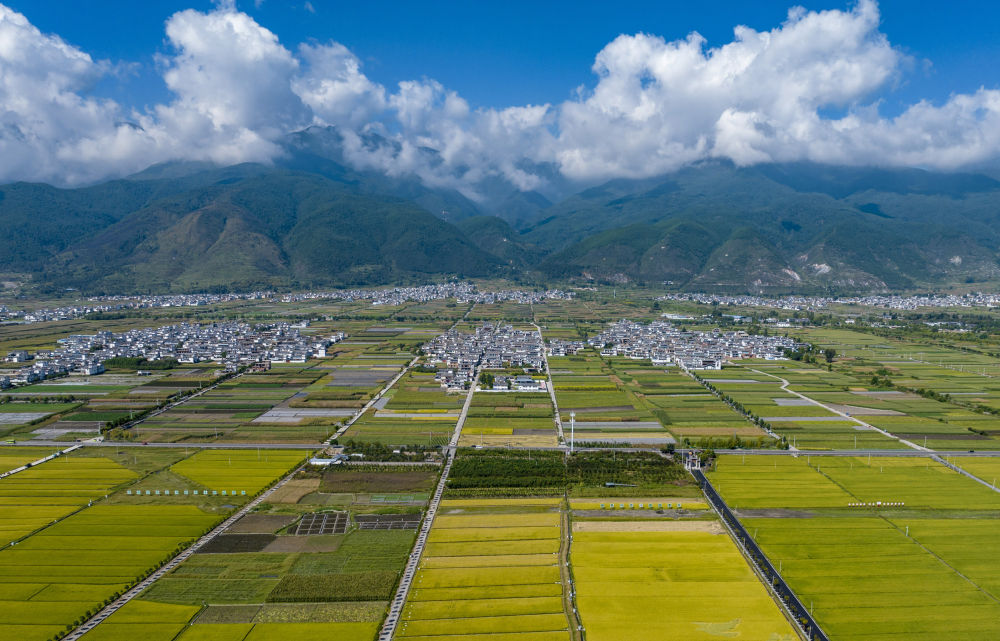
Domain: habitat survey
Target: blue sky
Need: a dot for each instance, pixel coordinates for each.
(498, 54)
(530, 93)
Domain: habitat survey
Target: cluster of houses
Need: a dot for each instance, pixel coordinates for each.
(461, 292)
(519, 383)
(110, 304)
(664, 343)
(560, 347)
(457, 354)
(230, 344)
(813, 303)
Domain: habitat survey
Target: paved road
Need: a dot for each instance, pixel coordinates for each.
(108, 610)
(552, 389)
(399, 600)
(784, 386)
(41, 460)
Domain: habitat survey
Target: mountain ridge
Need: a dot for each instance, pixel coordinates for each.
(311, 220)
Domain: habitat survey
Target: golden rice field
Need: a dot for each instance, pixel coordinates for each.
(240, 470)
(664, 583)
(490, 571)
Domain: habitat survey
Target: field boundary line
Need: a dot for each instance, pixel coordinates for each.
(576, 631)
(367, 406)
(28, 466)
(392, 618)
(972, 476)
(166, 408)
(940, 559)
(718, 394)
(167, 567)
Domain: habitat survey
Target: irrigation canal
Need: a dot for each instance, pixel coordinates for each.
(798, 612)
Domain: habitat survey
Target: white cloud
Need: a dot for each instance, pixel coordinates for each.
(655, 106)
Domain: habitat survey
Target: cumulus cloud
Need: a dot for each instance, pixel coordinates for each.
(655, 106)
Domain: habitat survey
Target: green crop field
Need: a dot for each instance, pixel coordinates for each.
(871, 572)
(240, 470)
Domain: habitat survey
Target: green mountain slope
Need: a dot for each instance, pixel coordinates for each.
(774, 227)
(277, 228)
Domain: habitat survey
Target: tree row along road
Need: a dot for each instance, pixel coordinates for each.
(784, 387)
(174, 562)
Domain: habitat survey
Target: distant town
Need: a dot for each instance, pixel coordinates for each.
(462, 292)
(814, 303)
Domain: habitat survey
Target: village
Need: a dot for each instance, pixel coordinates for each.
(230, 344)
(458, 355)
(666, 344)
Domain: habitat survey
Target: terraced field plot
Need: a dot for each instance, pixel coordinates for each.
(489, 570)
(417, 412)
(924, 570)
(239, 470)
(153, 621)
(684, 406)
(510, 418)
(967, 376)
(14, 457)
(865, 579)
(921, 420)
(805, 425)
(230, 411)
(605, 409)
(341, 590)
(37, 496)
(668, 580)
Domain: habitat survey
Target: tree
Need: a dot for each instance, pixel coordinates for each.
(830, 354)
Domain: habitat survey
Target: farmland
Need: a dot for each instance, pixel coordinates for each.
(870, 572)
(883, 547)
(489, 570)
(510, 418)
(668, 580)
(416, 412)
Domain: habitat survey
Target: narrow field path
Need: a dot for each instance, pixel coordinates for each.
(569, 588)
(374, 399)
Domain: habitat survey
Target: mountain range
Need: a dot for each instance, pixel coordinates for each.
(310, 220)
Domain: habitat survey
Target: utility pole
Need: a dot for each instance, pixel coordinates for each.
(572, 430)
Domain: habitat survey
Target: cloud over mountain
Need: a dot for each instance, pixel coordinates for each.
(655, 106)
